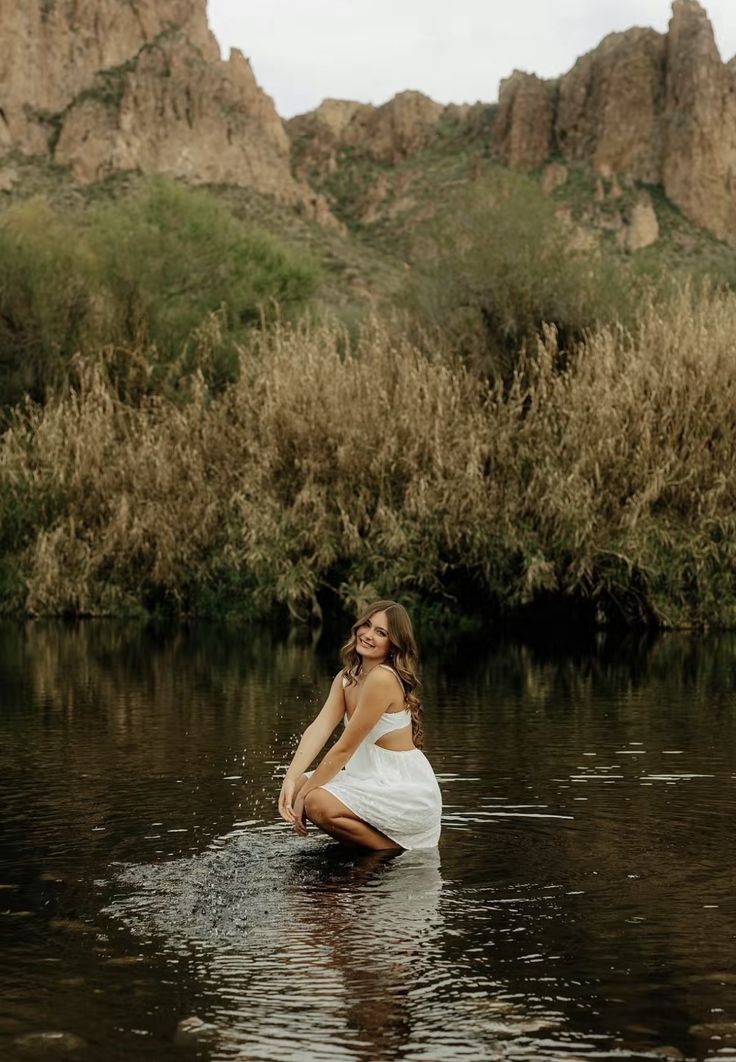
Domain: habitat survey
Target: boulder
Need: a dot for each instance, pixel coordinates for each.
(642, 229)
(555, 176)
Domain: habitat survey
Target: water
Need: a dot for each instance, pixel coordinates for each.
(581, 904)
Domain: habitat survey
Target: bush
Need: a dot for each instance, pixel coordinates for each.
(142, 273)
(498, 265)
(47, 299)
(390, 470)
(169, 257)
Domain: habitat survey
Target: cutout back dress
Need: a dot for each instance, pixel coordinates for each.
(395, 792)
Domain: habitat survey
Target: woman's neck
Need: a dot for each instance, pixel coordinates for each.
(366, 668)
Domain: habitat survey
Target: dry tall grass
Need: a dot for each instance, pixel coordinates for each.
(393, 470)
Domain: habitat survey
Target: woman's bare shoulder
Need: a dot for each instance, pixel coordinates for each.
(382, 677)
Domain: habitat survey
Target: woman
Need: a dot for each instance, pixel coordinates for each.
(375, 787)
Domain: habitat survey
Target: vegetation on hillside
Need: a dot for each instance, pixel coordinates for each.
(140, 273)
(498, 265)
(531, 418)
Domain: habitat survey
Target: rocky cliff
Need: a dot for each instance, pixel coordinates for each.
(108, 85)
(653, 108)
(660, 109)
(389, 133)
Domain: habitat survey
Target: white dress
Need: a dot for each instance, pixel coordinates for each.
(396, 792)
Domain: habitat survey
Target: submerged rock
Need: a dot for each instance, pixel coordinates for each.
(193, 1031)
(49, 1043)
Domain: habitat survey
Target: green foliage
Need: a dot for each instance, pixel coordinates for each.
(498, 265)
(171, 256)
(47, 299)
(146, 271)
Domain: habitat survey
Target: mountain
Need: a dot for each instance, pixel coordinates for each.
(108, 86)
(657, 109)
(102, 86)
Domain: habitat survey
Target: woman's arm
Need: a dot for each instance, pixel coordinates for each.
(376, 696)
(319, 730)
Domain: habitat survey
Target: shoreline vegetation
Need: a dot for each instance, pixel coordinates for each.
(235, 452)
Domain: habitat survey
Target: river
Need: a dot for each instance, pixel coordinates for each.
(581, 904)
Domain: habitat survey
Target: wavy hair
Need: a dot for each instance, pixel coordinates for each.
(402, 657)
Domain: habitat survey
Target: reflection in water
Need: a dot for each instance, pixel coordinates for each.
(583, 906)
(351, 942)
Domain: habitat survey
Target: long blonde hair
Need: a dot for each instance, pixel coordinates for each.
(402, 657)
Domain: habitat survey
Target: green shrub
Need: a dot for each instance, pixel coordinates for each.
(169, 257)
(498, 265)
(139, 274)
(47, 302)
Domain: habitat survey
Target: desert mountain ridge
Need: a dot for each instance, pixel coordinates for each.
(108, 86)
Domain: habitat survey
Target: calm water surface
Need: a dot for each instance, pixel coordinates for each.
(580, 906)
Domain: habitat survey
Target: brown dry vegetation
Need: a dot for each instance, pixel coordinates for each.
(390, 469)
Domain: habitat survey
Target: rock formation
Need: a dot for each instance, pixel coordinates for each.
(389, 133)
(609, 106)
(660, 109)
(525, 120)
(108, 85)
(699, 171)
(642, 229)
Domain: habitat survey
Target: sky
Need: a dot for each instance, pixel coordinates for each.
(303, 51)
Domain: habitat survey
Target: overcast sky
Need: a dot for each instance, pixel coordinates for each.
(453, 50)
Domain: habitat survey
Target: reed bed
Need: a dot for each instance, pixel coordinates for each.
(390, 468)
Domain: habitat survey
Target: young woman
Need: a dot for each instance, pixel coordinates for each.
(375, 787)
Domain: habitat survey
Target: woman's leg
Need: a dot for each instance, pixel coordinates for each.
(331, 815)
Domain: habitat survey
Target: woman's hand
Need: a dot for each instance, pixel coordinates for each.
(286, 800)
(300, 818)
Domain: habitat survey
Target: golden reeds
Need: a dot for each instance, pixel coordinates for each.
(392, 470)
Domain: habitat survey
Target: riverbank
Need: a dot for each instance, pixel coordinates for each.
(605, 483)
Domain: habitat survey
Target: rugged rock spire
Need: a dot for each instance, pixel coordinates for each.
(525, 120)
(658, 108)
(699, 172)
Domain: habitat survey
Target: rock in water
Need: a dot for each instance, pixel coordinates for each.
(193, 1031)
(48, 1044)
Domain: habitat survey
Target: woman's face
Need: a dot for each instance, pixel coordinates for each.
(371, 638)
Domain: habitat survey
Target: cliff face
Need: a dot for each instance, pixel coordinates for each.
(109, 85)
(657, 108)
(388, 134)
(699, 170)
(106, 85)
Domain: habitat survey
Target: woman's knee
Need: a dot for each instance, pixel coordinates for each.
(316, 807)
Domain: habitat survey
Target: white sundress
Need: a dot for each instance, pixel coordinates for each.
(396, 792)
